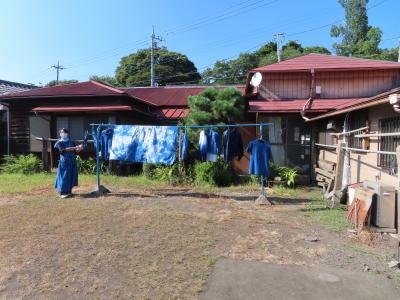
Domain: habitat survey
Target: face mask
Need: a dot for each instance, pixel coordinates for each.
(64, 135)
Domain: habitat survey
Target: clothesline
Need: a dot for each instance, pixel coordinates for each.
(96, 131)
(193, 126)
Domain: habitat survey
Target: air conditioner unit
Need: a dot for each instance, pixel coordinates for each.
(383, 208)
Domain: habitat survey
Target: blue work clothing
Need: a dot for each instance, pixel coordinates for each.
(213, 145)
(106, 141)
(184, 145)
(67, 171)
(203, 145)
(233, 144)
(260, 152)
(145, 144)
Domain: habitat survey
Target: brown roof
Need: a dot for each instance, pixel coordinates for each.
(169, 95)
(325, 62)
(296, 105)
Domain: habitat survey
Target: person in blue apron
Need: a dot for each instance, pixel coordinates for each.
(67, 171)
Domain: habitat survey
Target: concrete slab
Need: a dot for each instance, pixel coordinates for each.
(234, 279)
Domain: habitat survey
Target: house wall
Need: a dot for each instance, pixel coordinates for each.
(338, 84)
(364, 166)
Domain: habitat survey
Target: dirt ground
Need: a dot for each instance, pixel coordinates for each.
(162, 242)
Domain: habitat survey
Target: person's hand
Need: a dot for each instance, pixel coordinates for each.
(79, 148)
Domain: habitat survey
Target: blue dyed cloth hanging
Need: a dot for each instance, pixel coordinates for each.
(260, 152)
(184, 145)
(145, 144)
(67, 171)
(213, 145)
(233, 144)
(209, 145)
(106, 141)
(203, 145)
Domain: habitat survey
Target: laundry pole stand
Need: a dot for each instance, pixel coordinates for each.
(96, 131)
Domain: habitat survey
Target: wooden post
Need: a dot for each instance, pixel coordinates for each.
(337, 187)
(45, 157)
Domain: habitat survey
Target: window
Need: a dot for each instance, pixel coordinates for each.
(290, 139)
(357, 120)
(388, 143)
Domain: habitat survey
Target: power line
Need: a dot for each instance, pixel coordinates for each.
(154, 40)
(279, 38)
(58, 68)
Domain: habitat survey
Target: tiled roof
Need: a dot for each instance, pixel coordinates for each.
(8, 87)
(326, 62)
(296, 105)
(169, 95)
(172, 113)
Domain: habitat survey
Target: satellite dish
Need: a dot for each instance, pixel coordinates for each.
(256, 79)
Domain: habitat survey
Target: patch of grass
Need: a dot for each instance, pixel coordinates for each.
(19, 183)
(334, 218)
(298, 192)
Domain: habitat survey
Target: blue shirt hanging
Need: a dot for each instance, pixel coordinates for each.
(106, 141)
(67, 171)
(146, 144)
(260, 152)
(213, 145)
(184, 145)
(233, 144)
(203, 145)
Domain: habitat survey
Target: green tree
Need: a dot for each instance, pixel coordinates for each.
(106, 79)
(215, 105)
(235, 71)
(60, 82)
(171, 67)
(358, 38)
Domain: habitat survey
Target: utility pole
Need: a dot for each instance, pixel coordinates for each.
(58, 68)
(279, 37)
(398, 56)
(154, 40)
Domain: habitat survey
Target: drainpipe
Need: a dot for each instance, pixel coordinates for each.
(310, 98)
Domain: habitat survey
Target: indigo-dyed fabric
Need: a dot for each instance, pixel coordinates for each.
(67, 171)
(145, 144)
(106, 141)
(260, 152)
(184, 145)
(203, 145)
(213, 145)
(233, 144)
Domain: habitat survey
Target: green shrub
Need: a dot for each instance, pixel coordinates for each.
(149, 171)
(175, 174)
(23, 164)
(289, 175)
(88, 166)
(214, 173)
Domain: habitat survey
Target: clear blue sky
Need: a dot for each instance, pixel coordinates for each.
(90, 36)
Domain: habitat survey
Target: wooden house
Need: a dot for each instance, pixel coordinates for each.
(294, 92)
(8, 87)
(42, 112)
